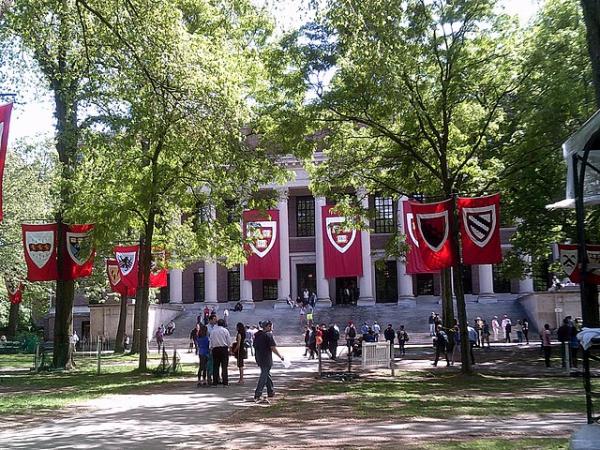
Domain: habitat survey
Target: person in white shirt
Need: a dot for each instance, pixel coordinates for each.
(505, 320)
(376, 330)
(74, 340)
(219, 343)
(495, 327)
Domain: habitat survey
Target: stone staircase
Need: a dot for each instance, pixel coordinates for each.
(288, 330)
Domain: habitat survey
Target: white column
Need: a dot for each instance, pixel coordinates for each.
(175, 286)
(526, 283)
(245, 290)
(284, 285)
(365, 283)
(405, 281)
(210, 282)
(486, 284)
(322, 282)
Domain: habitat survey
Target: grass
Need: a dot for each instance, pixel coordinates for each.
(23, 392)
(17, 361)
(503, 444)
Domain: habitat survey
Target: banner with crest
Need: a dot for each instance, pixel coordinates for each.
(80, 251)
(342, 246)
(114, 278)
(571, 266)
(158, 268)
(39, 242)
(433, 233)
(480, 229)
(414, 261)
(15, 291)
(5, 112)
(261, 231)
(128, 260)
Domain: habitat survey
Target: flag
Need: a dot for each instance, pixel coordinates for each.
(5, 111)
(128, 260)
(261, 230)
(414, 261)
(39, 242)
(80, 251)
(158, 269)
(15, 291)
(432, 225)
(342, 247)
(480, 229)
(569, 259)
(114, 278)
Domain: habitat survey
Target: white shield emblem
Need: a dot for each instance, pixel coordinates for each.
(568, 259)
(126, 261)
(262, 235)
(341, 239)
(114, 274)
(433, 227)
(480, 224)
(79, 246)
(40, 246)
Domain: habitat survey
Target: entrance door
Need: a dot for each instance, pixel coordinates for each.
(345, 291)
(306, 277)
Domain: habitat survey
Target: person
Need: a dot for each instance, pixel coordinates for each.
(547, 344)
(309, 316)
(389, 334)
(305, 297)
(350, 336)
(225, 316)
(202, 344)
(249, 338)
(219, 343)
(333, 336)
(238, 349)
(302, 315)
(212, 323)
(170, 328)
(238, 307)
(519, 330)
(324, 345)
(564, 336)
(369, 336)
(264, 347)
(364, 329)
(507, 330)
(289, 301)
(555, 284)
(505, 321)
(312, 300)
(306, 340)
(402, 339)
(478, 328)
(126, 342)
(74, 340)
(159, 338)
(431, 324)
(206, 315)
(485, 334)
(456, 339)
(193, 346)
(525, 323)
(472, 340)
(376, 330)
(441, 343)
(312, 342)
(495, 328)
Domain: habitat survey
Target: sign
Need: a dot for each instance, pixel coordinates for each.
(39, 242)
(342, 250)
(261, 233)
(480, 229)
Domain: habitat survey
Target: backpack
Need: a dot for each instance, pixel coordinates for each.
(336, 335)
(352, 333)
(406, 337)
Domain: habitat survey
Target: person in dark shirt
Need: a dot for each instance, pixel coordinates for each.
(264, 347)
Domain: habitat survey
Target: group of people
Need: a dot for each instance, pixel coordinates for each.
(321, 337)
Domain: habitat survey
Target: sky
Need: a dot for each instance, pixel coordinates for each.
(32, 114)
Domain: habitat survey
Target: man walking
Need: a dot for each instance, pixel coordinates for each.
(220, 341)
(441, 345)
(350, 336)
(390, 335)
(264, 347)
(431, 324)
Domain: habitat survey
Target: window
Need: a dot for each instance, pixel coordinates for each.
(305, 216)
(425, 284)
(384, 215)
(233, 284)
(386, 282)
(501, 282)
(269, 289)
(198, 286)
(165, 295)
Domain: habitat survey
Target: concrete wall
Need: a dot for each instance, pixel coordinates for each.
(541, 306)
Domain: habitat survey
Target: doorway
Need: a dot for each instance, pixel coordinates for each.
(306, 277)
(346, 291)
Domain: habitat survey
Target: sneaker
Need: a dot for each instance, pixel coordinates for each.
(257, 400)
(271, 395)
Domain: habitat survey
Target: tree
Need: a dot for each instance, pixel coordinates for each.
(591, 14)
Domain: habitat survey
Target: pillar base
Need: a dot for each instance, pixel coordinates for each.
(248, 304)
(487, 298)
(408, 302)
(324, 303)
(365, 301)
(281, 303)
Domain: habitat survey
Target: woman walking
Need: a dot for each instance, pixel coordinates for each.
(238, 349)
(201, 339)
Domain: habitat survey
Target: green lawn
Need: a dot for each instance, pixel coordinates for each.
(504, 444)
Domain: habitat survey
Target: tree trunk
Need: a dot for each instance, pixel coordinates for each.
(145, 260)
(120, 338)
(591, 15)
(13, 320)
(447, 303)
(63, 319)
(590, 314)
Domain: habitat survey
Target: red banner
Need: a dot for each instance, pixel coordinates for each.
(5, 111)
(261, 230)
(114, 278)
(80, 251)
(15, 291)
(128, 260)
(342, 250)
(158, 268)
(432, 225)
(414, 261)
(571, 266)
(480, 229)
(39, 242)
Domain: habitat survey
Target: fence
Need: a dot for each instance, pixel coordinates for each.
(377, 354)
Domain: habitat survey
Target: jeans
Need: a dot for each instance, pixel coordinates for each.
(203, 363)
(264, 380)
(220, 359)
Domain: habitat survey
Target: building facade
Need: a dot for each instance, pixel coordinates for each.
(302, 266)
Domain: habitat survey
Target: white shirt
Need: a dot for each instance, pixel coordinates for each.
(495, 324)
(219, 337)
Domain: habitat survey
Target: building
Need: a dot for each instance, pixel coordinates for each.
(301, 262)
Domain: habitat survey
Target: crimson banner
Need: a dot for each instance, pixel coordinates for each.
(414, 261)
(480, 229)
(15, 291)
(158, 268)
(432, 222)
(114, 278)
(80, 251)
(571, 266)
(261, 229)
(39, 242)
(128, 260)
(342, 250)
(5, 111)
